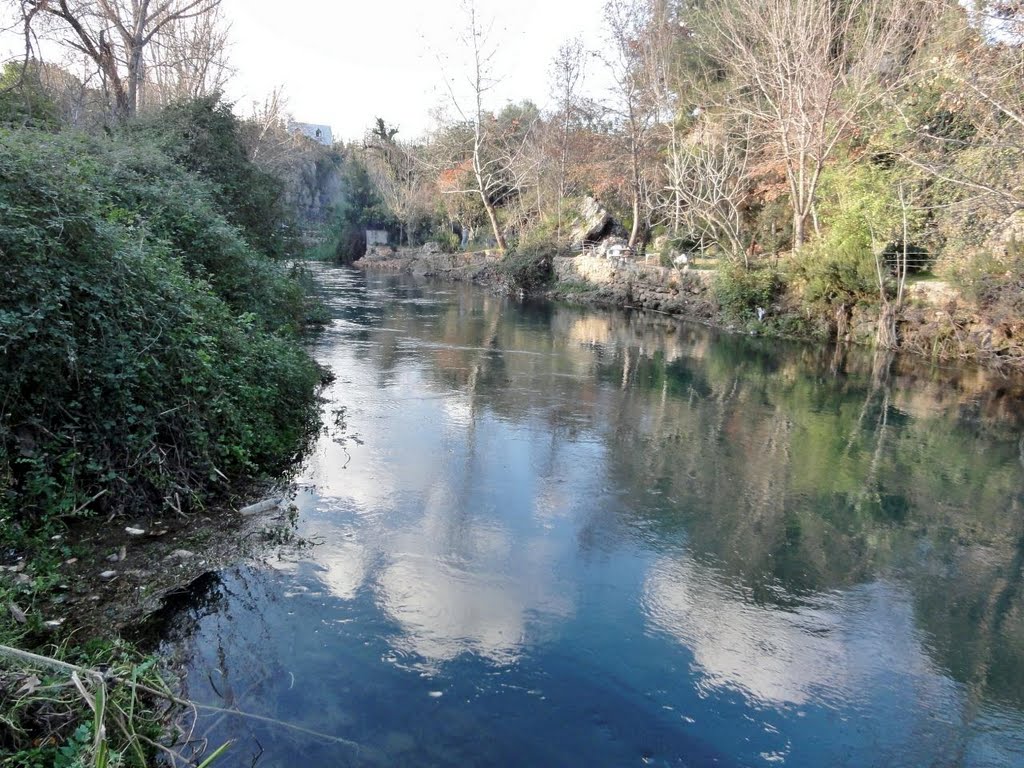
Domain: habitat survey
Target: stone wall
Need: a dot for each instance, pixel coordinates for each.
(936, 322)
(636, 284)
(428, 261)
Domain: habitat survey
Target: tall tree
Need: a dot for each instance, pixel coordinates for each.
(806, 71)
(633, 104)
(708, 182)
(568, 71)
(486, 169)
(398, 175)
(971, 140)
(115, 35)
(188, 59)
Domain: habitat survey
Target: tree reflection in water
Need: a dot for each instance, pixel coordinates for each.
(590, 531)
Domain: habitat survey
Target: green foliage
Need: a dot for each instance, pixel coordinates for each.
(447, 239)
(994, 282)
(773, 226)
(104, 719)
(838, 271)
(860, 202)
(741, 290)
(529, 267)
(204, 137)
(361, 209)
(23, 100)
(573, 287)
(148, 353)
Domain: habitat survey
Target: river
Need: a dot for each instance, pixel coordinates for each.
(550, 536)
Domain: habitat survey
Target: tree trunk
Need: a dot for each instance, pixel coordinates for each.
(887, 337)
(498, 237)
(134, 78)
(634, 234)
(799, 229)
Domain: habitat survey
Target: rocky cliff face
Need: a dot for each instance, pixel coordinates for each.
(314, 183)
(591, 224)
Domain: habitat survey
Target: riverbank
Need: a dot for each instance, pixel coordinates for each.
(938, 321)
(91, 605)
(155, 372)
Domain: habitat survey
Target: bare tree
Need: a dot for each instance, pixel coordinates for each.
(568, 71)
(188, 59)
(975, 144)
(633, 105)
(486, 170)
(709, 177)
(115, 35)
(518, 160)
(808, 70)
(270, 144)
(17, 20)
(398, 174)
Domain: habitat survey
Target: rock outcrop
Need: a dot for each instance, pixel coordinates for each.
(1011, 235)
(593, 222)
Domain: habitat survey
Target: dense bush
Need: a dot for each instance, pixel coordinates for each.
(446, 239)
(860, 201)
(204, 137)
(148, 351)
(741, 290)
(151, 195)
(23, 100)
(528, 267)
(837, 272)
(360, 209)
(995, 282)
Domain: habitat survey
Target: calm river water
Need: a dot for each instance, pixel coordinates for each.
(559, 537)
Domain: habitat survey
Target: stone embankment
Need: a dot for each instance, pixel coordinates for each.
(635, 284)
(585, 278)
(429, 261)
(937, 322)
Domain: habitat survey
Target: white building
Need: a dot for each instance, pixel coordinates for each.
(318, 133)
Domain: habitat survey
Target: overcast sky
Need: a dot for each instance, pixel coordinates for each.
(345, 63)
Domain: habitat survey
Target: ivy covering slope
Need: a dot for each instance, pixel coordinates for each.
(150, 351)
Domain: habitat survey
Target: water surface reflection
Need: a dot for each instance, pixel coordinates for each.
(559, 537)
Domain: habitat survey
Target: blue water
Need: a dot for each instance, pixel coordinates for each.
(546, 536)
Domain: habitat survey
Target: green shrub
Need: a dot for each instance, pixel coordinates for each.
(740, 291)
(24, 101)
(204, 137)
(361, 208)
(447, 239)
(861, 208)
(773, 226)
(838, 271)
(994, 282)
(148, 354)
(529, 267)
(146, 192)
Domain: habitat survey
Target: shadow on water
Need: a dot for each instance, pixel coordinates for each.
(574, 537)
